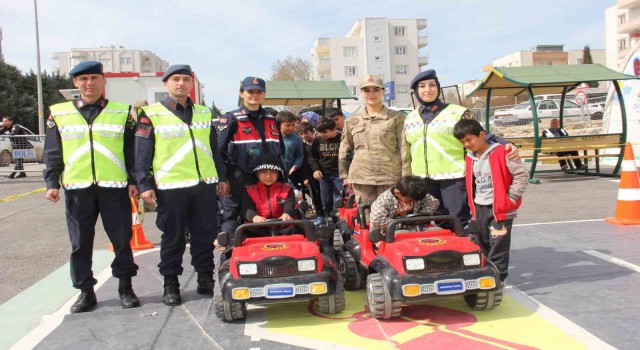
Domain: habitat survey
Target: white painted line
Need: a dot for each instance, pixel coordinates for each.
(578, 333)
(557, 222)
(50, 322)
(613, 260)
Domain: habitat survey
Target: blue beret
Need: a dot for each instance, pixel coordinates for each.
(426, 75)
(252, 83)
(87, 67)
(177, 69)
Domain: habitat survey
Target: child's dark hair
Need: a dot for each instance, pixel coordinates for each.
(305, 127)
(466, 127)
(286, 117)
(332, 112)
(413, 187)
(325, 124)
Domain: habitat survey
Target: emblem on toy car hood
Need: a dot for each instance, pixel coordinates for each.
(274, 246)
(430, 241)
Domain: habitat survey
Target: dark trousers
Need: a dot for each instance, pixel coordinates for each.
(316, 197)
(495, 248)
(19, 164)
(192, 207)
(83, 207)
(330, 187)
(576, 162)
(452, 195)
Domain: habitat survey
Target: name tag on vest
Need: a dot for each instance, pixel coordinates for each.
(172, 134)
(109, 134)
(71, 135)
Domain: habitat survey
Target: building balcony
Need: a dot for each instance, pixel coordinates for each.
(422, 23)
(322, 45)
(423, 40)
(423, 60)
(630, 26)
(627, 4)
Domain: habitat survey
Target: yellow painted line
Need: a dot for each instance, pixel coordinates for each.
(22, 195)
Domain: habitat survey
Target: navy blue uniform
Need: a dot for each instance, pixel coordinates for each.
(84, 205)
(193, 207)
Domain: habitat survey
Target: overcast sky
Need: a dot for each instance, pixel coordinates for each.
(224, 41)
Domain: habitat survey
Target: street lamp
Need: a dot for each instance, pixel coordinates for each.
(39, 76)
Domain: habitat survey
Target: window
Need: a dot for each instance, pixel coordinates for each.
(400, 31)
(622, 45)
(401, 50)
(350, 71)
(579, 61)
(353, 89)
(105, 62)
(545, 63)
(125, 60)
(622, 19)
(377, 58)
(402, 69)
(350, 51)
(402, 89)
(377, 38)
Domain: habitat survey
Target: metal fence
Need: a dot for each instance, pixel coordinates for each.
(517, 120)
(25, 149)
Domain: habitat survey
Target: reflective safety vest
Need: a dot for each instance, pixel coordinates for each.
(92, 154)
(182, 153)
(435, 152)
(246, 147)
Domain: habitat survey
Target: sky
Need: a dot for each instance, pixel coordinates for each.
(224, 41)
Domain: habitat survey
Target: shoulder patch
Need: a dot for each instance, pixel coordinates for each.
(353, 121)
(50, 122)
(131, 122)
(143, 130)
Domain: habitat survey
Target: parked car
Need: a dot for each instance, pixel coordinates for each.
(596, 110)
(6, 151)
(521, 114)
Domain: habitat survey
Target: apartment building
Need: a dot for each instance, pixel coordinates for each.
(386, 47)
(114, 59)
(622, 32)
(545, 55)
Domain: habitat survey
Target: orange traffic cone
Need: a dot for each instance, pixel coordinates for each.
(138, 240)
(628, 206)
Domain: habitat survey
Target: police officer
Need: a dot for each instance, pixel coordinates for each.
(10, 129)
(88, 149)
(176, 138)
(245, 134)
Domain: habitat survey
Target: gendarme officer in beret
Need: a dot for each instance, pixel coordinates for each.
(176, 138)
(88, 150)
(245, 134)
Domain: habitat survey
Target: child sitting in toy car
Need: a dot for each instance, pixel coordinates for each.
(408, 196)
(270, 197)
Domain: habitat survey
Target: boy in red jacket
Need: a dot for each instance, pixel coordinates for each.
(495, 186)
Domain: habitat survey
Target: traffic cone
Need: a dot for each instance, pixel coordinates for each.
(628, 206)
(138, 240)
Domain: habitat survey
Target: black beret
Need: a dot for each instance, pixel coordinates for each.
(426, 75)
(87, 67)
(177, 69)
(252, 83)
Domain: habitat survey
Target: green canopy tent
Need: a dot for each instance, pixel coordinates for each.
(306, 92)
(554, 79)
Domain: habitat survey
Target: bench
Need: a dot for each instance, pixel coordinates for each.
(590, 147)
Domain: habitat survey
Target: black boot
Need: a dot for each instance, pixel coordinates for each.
(86, 301)
(12, 175)
(205, 283)
(128, 298)
(20, 175)
(171, 295)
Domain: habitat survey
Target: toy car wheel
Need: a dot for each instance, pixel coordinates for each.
(484, 300)
(348, 268)
(379, 299)
(227, 310)
(337, 240)
(333, 303)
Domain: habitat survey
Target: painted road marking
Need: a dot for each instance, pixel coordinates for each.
(613, 260)
(556, 222)
(6, 199)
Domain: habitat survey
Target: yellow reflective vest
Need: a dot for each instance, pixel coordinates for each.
(92, 154)
(182, 153)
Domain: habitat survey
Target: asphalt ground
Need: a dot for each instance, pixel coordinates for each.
(578, 272)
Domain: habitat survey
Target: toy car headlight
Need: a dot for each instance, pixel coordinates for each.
(248, 269)
(471, 259)
(413, 264)
(306, 265)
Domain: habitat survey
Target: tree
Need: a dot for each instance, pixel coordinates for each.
(291, 69)
(587, 59)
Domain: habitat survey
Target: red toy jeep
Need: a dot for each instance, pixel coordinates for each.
(422, 263)
(278, 269)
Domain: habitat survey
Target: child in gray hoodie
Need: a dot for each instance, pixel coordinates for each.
(495, 186)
